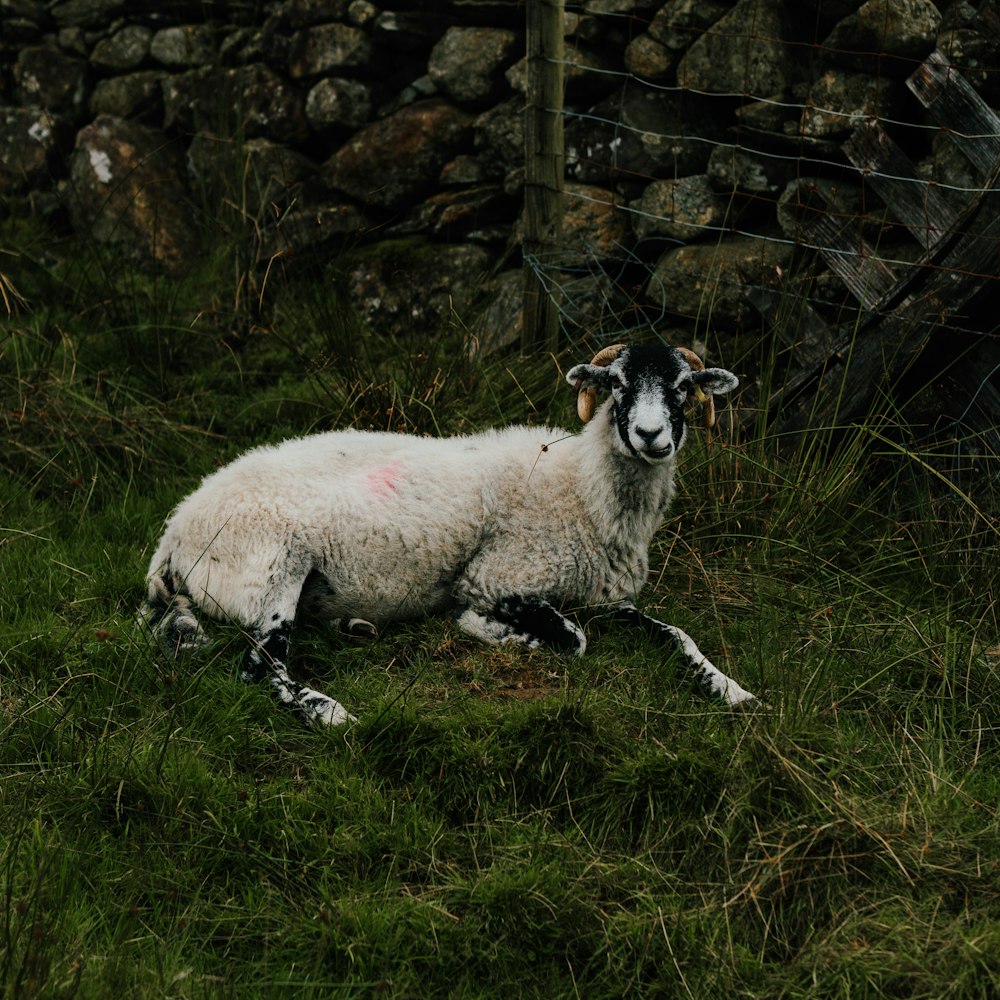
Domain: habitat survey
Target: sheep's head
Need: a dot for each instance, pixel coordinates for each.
(649, 387)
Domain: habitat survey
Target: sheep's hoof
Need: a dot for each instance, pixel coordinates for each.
(750, 706)
(321, 710)
(358, 628)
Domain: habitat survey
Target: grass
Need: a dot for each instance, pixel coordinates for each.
(498, 822)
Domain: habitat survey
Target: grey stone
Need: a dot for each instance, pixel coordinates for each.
(742, 54)
(451, 216)
(306, 13)
(421, 88)
(263, 177)
(905, 28)
(805, 198)
(678, 23)
(124, 50)
(683, 209)
(328, 48)
(463, 170)
(293, 233)
(17, 32)
(587, 74)
(948, 166)
(411, 287)
(767, 116)
(839, 102)
(960, 15)
(828, 12)
(253, 100)
(498, 138)
(619, 6)
(72, 40)
(337, 101)
(638, 134)
(595, 224)
(187, 45)
(47, 78)
(468, 63)
(976, 53)
(31, 10)
(246, 46)
(408, 31)
(27, 143)
(649, 59)
(126, 188)
(587, 304)
(362, 14)
(86, 13)
(22, 21)
(498, 319)
(392, 161)
(736, 168)
(136, 96)
(708, 281)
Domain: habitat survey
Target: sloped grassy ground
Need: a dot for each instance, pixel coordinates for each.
(498, 823)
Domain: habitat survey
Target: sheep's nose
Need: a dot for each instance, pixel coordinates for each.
(648, 436)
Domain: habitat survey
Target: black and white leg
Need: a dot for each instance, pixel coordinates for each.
(712, 680)
(266, 661)
(527, 621)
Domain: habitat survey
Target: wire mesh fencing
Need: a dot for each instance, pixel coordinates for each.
(821, 175)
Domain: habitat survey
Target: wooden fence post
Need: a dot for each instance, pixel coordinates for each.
(543, 170)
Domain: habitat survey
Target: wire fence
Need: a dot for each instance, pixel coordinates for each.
(779, 207)
(860, 182)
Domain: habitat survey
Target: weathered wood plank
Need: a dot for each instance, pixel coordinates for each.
(961, 240)
(885, 344)
(926, 210)
(851, 257)
(954, 106)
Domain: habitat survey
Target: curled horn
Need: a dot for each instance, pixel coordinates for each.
(586, 398)
(707, 403)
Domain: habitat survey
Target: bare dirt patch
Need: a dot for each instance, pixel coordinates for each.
(501, 672)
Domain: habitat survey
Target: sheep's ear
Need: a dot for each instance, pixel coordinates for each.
(589, 377)
(715, 381)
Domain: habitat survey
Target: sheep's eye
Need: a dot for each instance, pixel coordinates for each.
(687, 387)
(616, 382)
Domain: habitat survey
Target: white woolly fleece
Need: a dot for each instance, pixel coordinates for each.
(401, 527)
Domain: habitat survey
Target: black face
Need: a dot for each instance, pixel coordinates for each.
(649, 387)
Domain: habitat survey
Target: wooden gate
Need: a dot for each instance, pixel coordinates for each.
(834, 369)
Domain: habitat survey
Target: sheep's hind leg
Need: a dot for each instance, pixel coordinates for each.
(529, 621)
(170, 619)
(706, 674)
(319, 600)
(266, 660)
(356, 628)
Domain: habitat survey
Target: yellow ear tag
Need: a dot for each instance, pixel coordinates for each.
(707, 404)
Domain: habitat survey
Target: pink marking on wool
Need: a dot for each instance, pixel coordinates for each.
(383, 482)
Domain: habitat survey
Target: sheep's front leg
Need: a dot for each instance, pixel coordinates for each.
(706, 674)
(266, 660)
(528, 621)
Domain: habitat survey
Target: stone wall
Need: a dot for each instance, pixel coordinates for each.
(696, 130)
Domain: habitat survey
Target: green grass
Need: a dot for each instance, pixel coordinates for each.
(498, 823)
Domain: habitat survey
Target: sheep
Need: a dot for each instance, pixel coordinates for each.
(505, 529)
